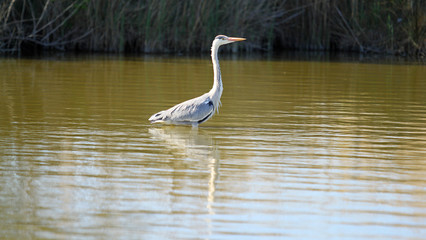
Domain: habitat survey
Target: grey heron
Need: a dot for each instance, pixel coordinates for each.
(200, 109)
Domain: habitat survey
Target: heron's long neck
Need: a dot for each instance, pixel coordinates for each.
(217, 89)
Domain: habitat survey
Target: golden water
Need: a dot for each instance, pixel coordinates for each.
(300, 150)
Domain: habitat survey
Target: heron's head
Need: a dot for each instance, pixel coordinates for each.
(222, 40)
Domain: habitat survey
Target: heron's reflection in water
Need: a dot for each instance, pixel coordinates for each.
(192, 143)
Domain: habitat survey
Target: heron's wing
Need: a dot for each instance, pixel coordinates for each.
(193, 110)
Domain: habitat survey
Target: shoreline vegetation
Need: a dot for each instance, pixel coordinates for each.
(396, 27)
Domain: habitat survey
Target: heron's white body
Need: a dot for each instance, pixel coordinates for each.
(200, 109)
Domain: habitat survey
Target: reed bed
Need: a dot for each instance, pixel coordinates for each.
(382, 26)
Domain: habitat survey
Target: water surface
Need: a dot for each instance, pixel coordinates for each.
(301, 149)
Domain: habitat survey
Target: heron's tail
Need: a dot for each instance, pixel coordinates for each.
(158, 117)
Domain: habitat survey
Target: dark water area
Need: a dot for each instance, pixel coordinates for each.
(304, 147)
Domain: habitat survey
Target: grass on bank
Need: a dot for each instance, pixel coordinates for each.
(382, 26)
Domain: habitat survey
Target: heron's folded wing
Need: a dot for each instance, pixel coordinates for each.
(192, 110)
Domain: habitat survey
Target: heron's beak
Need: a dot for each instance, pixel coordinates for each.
(235, 39)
